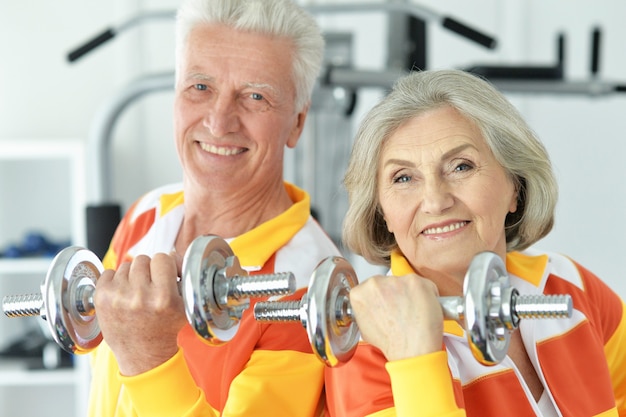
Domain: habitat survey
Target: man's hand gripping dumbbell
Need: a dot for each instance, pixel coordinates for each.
(214, 287)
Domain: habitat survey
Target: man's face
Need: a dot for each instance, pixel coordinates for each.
(234, 109)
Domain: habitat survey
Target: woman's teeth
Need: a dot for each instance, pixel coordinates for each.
(445, 229)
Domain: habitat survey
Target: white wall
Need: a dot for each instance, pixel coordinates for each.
(586, 136)
(43, 96)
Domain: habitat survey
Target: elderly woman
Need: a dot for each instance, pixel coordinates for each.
(442, 169)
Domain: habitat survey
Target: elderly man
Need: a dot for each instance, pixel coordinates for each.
(244, 75)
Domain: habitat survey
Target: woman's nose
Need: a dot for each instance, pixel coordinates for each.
(436, 197)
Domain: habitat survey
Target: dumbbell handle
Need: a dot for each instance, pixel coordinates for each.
(23, 305)
(28, 305)
(522, 307)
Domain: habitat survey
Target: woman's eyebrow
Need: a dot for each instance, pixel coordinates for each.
(457, 149)
(448, 154)
(402, 162)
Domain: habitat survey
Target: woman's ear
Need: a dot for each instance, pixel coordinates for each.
(513, 206)
(514, 198)
(386, 223)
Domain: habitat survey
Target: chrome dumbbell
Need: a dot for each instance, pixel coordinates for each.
(214, 287)
(489, 310)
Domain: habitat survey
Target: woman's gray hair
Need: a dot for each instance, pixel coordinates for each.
(513, 143)
(281, 18)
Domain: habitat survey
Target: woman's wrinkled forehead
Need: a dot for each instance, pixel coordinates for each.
(439, 128)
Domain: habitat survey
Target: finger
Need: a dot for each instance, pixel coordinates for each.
(105, 277)
(112, 277)
(139, 271)
(110, 284)
(163, 270)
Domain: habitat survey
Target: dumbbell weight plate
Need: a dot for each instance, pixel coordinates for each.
(72, 268)
(488, 339)
(333, 335)
(205, 257)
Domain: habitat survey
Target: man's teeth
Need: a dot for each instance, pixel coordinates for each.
(220, 150)
(445, 229)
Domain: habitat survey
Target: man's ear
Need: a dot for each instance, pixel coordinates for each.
(296, 132)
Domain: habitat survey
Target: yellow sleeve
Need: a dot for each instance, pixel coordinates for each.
(422, 387)
(167, 390)
(615, 351)
(272, 383)
(275, 382)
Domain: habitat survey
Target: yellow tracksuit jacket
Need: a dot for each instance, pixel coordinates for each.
(265, 370)
(581, 361)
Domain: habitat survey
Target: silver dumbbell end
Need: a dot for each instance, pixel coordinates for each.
(27, 305)
(324, 311)
(216, 289)
(216, 284)
(65, 300)
(272, 311)
(491, 309)
(542, 306)
(280, 283)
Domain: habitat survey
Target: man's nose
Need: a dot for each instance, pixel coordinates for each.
(222, 116)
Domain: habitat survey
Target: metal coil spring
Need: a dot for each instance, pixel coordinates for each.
(284, 311)
(22, 305)
(543, 306)
(261, 285)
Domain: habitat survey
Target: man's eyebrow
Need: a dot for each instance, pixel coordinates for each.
(260, 85)
(199, 76)
(263, 86)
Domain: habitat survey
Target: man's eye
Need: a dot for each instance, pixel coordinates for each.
(200, 87)
(256, 96)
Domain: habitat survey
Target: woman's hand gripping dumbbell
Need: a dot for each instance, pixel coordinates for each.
(489, 310)
(214, 287)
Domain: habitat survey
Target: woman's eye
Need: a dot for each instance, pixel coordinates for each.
(401, 179)
(463, 166)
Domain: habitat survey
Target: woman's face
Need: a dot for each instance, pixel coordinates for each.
(443, 194)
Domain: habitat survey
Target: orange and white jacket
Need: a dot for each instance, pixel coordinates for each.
(265, 370)
(581, 361)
